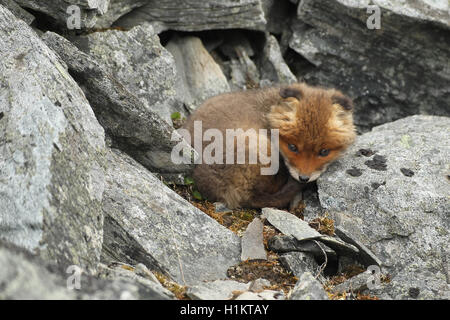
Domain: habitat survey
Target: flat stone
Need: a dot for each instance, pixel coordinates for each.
(192, 15)
(263, 295)
(341, 247)
(355, 284)
(59, 10)
(252, 242)
(216, 290)
(308, 288)
(282, 244)
(289, 224)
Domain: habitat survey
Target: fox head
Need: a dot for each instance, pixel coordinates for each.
(315, 127)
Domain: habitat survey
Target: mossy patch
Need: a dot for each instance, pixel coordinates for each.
(323, 225)
(279, 277)
(178, 290)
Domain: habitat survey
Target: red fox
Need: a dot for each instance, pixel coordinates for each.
(315, 126)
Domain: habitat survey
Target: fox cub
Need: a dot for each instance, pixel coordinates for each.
(315, 126)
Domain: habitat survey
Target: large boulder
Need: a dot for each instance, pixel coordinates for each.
(63, 10)
(194, 15)
(137, 60)
(390, 193)
(398, 70)
(147, 222)
(131, 124)
(51, 153)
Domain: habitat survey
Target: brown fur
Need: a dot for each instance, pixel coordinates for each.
(310, 118)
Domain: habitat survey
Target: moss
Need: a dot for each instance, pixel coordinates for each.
(324, 225)
(279, 277)
(178, 290)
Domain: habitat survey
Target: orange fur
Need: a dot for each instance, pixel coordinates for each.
(310, 118)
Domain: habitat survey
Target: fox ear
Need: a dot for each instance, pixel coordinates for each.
(290, 92)
(283, 115)
(342, 100)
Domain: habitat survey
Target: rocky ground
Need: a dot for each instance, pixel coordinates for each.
(92, 207)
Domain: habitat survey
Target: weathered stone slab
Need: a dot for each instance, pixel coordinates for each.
(51, 153)
(289, 224)
(193, 15)
(252, 242)
(132, 126)
(403, 219)
(149, 223)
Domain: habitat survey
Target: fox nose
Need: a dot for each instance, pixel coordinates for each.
(303, 179)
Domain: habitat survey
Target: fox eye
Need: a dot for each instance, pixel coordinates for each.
(293, 148)
(324, 152)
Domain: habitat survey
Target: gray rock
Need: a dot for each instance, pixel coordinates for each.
(271, 295)
(258, 285)
(263, 295)
(248, 296)
(147, 222)
(25, 276)
(389, 72)
(252, 242)
(341, 247)
(199, 76)
(366, 256)
(192, 15)
(118, 289)
(138, 61)
(402, 219)
(18, 11)
(141, 276)
(133, 127)
(282, 244)
(117, 9)
(355, 284)
(289, 224)
(299, 262)
(308, 288)
(59, 9)
(272, 65)
(313, 209)
(51, 153)
(216, 290)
